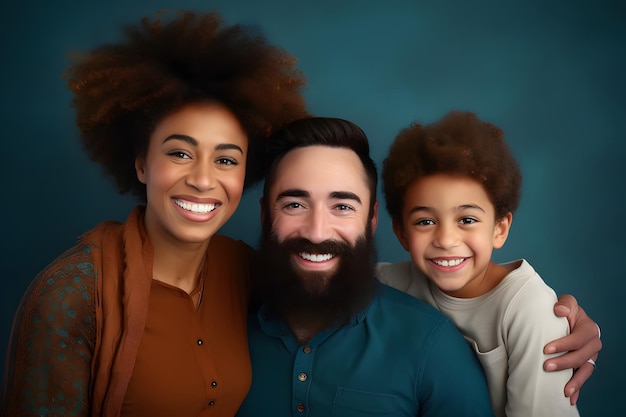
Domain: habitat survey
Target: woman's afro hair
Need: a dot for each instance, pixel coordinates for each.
(121, 90)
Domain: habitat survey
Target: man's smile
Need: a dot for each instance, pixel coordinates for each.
(316, 257)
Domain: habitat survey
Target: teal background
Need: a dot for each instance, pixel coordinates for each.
(550, 73)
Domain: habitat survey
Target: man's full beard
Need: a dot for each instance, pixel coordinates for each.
(334, 296)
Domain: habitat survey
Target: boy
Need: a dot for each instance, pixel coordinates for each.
(451, 189)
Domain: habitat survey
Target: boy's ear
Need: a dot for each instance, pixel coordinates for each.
(398, 229)
(501, 231)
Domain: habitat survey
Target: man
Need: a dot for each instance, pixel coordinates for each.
(330, 340)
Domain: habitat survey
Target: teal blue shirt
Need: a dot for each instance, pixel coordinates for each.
(399, 357)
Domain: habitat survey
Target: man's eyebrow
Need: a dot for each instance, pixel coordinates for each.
(337, 195)
(345, 195)
(293, 192)
(194, 142)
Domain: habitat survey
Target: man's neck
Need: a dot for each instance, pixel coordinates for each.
(305, 325)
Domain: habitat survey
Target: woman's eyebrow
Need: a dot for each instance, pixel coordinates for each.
(194, 142)
(227, 146)
(184, 138)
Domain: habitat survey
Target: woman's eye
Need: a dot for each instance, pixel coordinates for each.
(227, 161)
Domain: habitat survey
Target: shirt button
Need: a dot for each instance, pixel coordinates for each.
(300, 408)
(214, 384)
(211, 402)
(307, 349)
(200, 342)
(302, 376)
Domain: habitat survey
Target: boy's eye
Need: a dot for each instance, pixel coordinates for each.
(467, 220)
(424, 222)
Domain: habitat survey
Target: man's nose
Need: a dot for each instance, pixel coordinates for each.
(317, 227)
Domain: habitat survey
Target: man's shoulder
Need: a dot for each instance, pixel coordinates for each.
(394, 301)
(414, 324)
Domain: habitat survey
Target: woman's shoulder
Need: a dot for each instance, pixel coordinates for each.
(66, 285)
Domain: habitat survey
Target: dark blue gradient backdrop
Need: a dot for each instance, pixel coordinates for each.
(550, 73)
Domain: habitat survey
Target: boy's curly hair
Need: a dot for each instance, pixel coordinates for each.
(122, 90)
(459, 144)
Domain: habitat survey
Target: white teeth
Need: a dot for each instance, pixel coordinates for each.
(195, 208)
(452, 262)
(316, 257)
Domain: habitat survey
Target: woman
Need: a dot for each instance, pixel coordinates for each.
(148, 317)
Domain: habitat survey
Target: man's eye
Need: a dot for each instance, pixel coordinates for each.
(179, 154)
(343, 207)
(293, 205)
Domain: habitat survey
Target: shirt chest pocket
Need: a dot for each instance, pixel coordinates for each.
(494, 358)
(354, 403)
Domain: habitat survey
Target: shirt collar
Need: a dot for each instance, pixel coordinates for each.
(272, 325)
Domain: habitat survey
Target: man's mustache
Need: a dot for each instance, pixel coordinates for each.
(303, 245)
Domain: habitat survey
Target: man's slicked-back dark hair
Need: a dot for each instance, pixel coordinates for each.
(320, 131)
